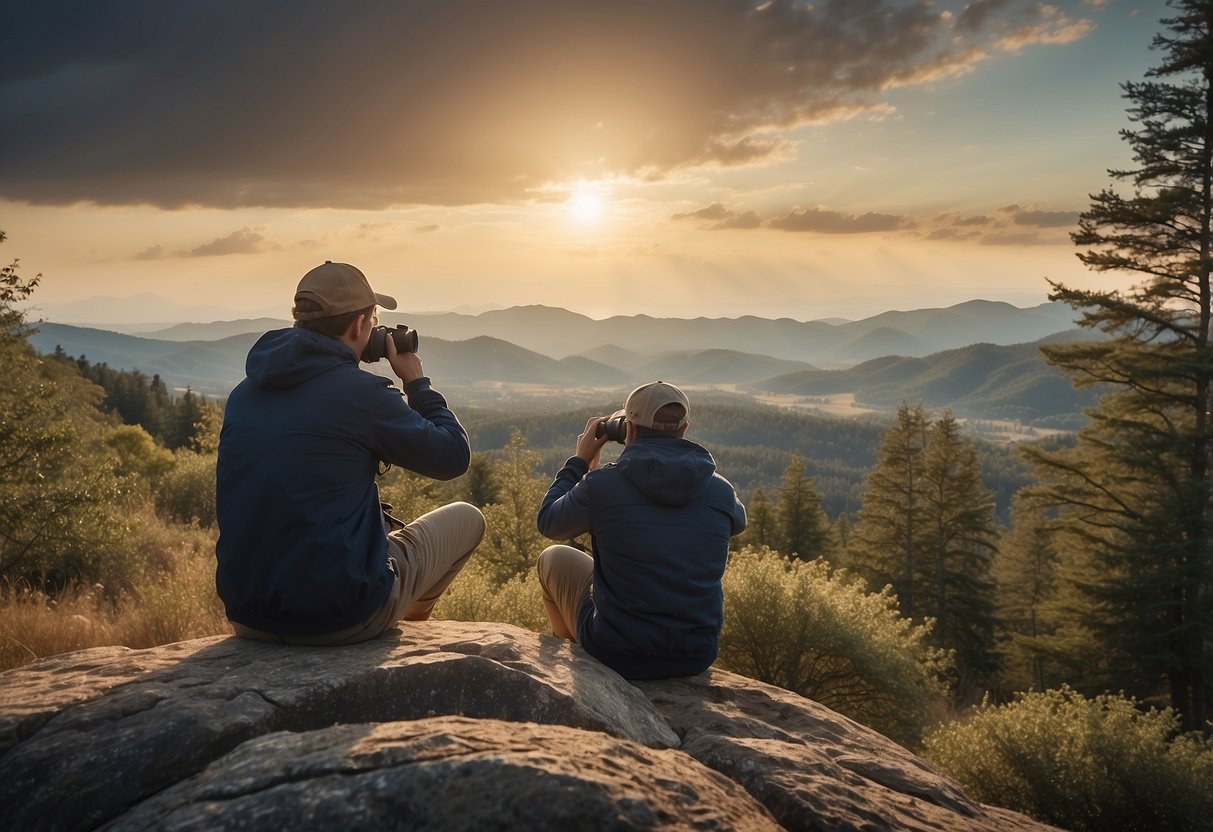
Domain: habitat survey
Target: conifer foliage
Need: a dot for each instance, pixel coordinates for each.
(1136, 492)
(927, 530)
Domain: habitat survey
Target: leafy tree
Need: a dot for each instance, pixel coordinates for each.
(1136, 491)
(58, 487)
(803, 528)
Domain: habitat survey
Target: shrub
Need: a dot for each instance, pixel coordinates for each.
(1082, 764)
(806, 628)
(186, 491)
(475, 595)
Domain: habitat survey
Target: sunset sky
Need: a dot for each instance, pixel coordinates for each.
(667, 157)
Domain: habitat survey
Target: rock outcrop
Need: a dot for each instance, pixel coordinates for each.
(443, 725)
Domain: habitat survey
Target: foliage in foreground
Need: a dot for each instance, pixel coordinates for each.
(1082, 764)
(174, 601)
(803, 627)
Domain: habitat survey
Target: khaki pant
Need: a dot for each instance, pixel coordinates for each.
(425, 556)
(566, 577)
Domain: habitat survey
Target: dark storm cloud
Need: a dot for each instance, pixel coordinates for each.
(364, 104)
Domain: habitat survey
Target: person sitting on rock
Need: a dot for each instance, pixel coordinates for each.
(648, 603)
(306, 552)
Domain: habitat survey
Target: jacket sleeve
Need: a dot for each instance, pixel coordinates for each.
(423, 436)
(565, 512)
(739, 516)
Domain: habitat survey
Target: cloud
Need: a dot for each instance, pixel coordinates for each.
(245, 241)
(1010, 225)
(748, 220)
(1026, 238)
(151, 253)
(1047, 219)
(364, 104)
(715, 211)
(823, 221)
(722, 219)
(427, 229)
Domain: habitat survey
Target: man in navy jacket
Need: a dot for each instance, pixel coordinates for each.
(304, 552)
(648, 603)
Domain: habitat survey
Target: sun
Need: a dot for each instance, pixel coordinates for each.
(585, 205)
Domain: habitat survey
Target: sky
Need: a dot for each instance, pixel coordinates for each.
(675, 158)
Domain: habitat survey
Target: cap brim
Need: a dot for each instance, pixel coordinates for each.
(385, 301)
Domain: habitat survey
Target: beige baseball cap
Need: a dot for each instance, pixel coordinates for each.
(338, 288)
(644, 402)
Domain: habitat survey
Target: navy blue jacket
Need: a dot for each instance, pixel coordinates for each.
(660, 519)
(302, 548)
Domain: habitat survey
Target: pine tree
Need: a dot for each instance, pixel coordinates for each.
(479, 485)
(927, 529)
(1025, 574)
(959, 534)
(1136, 490)
(887, 537)
(761, 527)
(803, 528)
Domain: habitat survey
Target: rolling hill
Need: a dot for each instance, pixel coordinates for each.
(984, 381)
(558, 333)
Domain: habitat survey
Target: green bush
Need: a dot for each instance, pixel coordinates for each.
(186, 492)
(1082, 764)
(475, 595)
(806, 628)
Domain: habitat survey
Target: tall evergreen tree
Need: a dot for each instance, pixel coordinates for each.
(927, 529)
(1136, 489)
(761, 528)
(959, 542)
(1025, 573)
(887, 538)
(804, 529)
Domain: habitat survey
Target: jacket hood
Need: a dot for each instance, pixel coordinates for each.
(669, 472)
(286, 357)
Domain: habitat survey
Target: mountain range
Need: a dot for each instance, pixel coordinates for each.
(558, 333)
(979, 358)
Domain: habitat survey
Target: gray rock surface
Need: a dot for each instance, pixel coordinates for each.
(444, 725)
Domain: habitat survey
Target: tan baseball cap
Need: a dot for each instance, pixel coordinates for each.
(644, 402)
(338, 288)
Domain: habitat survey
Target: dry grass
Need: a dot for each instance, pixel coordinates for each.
(174, 601)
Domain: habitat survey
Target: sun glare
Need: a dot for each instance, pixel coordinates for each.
(585, 205)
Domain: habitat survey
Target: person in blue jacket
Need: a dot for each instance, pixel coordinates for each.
(648, 602)
(306, 552)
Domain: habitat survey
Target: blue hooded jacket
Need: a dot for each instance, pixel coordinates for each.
(660, 519)
(302, 548)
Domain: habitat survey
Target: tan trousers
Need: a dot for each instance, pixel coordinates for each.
(426, 555)
(566, 577)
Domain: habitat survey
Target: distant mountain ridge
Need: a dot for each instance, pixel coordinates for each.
(985, 381)
(559, 333)
(981, 380)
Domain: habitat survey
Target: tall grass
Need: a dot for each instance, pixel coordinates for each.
(173, 600)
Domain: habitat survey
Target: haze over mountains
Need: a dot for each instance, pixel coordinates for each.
(927, 354)
(558, 333)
